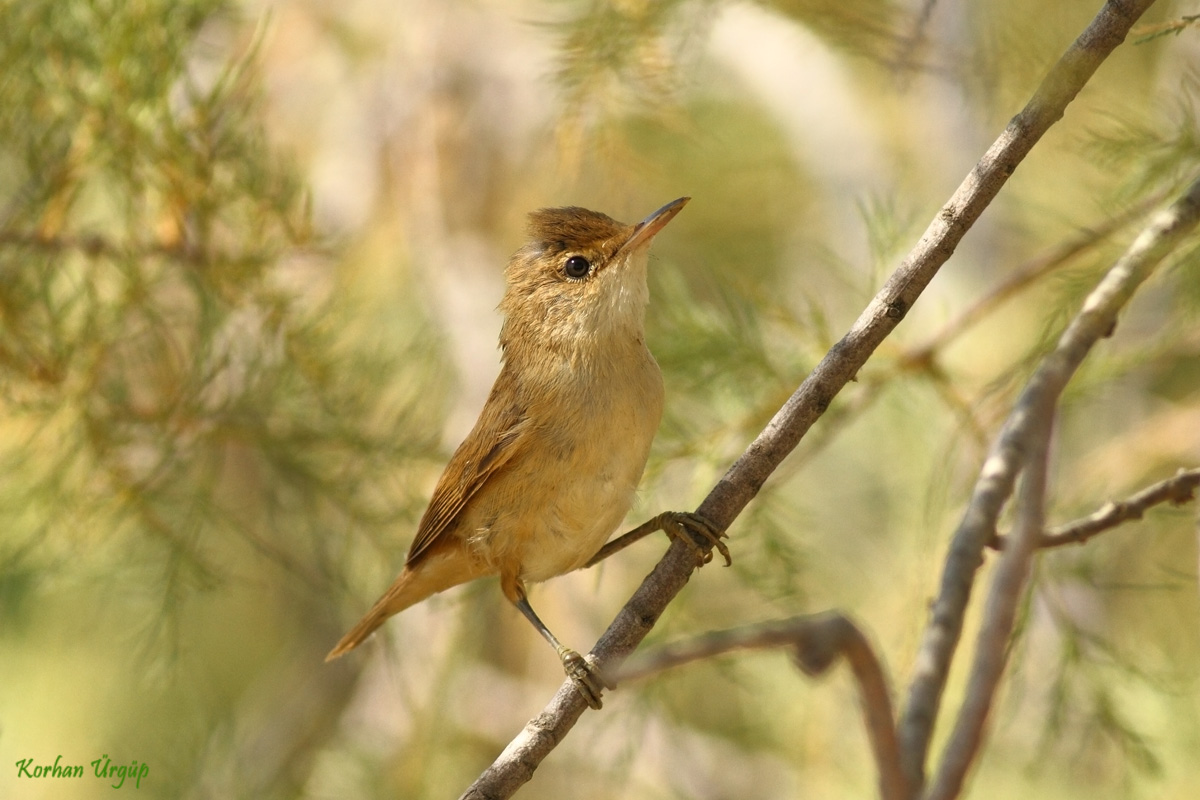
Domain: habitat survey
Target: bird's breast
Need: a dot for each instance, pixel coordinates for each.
(592, 430)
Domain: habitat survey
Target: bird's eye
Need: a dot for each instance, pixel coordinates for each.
(577, 267)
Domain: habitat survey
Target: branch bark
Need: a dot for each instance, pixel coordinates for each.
(1176, 490)
(745, 478)
(1020, 437)
(991, 652)
(1060, 86)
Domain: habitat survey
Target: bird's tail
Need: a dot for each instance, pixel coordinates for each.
(398, 597)
(359, 633)
(434, 574)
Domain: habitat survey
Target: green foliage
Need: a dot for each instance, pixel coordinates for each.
(169, 375)
(217, 422)
(1160, 148)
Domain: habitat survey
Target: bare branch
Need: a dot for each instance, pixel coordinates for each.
(991, 652)
(923, 358)
(1176, 490)
(744, 479)
(1008, 586)
(817, 642)
(1094, 322)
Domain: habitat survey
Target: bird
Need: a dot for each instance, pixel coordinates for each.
(551, 467)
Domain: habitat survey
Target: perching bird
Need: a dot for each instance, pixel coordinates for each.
(551, 466)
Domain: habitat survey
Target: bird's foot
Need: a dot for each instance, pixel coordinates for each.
(690, 529)
(584, 672)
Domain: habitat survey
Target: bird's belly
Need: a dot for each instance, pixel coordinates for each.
(550, 514)
(551, 508)
(568, 532)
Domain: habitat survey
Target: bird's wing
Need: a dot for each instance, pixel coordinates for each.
(500, 432)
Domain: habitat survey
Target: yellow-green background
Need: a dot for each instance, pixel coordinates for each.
(249, 260)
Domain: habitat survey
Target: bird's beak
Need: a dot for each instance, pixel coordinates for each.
(645, 230)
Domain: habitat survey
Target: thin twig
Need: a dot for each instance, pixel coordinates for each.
(923, 358)
(1176, 490)
(817, 642)
(1095, 321)
(905, 61)
(744, 479)
(1024, 276)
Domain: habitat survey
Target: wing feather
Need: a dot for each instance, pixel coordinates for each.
(496, 437)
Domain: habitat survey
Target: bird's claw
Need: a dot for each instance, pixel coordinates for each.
(584, 672)
(688, 527)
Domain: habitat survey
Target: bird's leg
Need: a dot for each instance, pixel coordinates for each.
(583, 671)
(687, 527)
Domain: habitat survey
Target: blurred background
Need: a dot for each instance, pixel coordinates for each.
(250, 255)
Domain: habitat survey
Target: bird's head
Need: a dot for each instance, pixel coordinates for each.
(580, 280)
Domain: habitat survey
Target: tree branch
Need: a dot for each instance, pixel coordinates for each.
(1019, 437)
(1024, 276)
(923, 358)
(744, 479)
(817, 642)
(1060, 86)
(991, 652)
(1176, 490)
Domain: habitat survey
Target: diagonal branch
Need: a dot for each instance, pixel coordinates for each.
(1180, 488)
(1024, 276)
(1020, 436)
(817, 641)
(923, 358)
(742, 482)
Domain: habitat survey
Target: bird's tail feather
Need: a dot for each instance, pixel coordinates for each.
(397, 598)
(435, 573)
(359, 633)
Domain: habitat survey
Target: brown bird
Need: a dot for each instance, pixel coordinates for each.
(551, 466)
